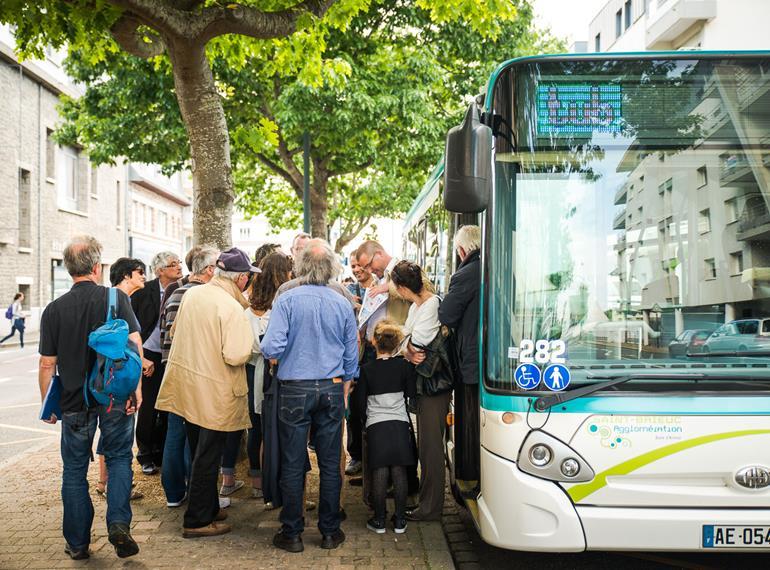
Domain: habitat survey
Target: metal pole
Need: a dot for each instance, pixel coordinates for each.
(306, 181)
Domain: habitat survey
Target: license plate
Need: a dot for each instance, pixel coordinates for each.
(719, 536)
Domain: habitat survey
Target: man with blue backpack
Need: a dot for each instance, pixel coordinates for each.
(89, 337)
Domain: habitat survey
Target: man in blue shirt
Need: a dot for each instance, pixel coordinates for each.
(312, 335)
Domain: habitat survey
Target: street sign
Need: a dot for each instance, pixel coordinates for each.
(556, 377)
(527, 376)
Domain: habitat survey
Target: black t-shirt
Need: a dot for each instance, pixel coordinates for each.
(64, 329)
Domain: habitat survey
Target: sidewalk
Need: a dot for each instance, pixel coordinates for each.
(30, 339)
(30, 530)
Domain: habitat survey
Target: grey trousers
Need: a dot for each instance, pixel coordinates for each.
(431, 428)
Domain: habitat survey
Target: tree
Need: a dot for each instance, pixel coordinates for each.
(184, 32)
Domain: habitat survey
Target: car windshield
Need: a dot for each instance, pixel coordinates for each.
(630, 209)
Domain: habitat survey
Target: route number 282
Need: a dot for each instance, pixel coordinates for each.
(542, 351)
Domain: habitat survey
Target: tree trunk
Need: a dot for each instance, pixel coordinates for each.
(319, 205)
(204, 120)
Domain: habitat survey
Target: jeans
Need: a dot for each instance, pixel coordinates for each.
(302, 404)
(175, 472)
(77, 436)
(254, 441)
(18, 325)
(151, 423)
(206, 447)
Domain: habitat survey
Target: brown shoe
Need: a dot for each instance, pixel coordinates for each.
(221, 515)
(214, 529)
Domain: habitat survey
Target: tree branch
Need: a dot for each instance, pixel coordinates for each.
(248, 21)
(161, 16)
(272, 165)
(125, 31)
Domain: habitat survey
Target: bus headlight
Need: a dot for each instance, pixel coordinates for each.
(547, 457)
(570, 468)
(540, 455)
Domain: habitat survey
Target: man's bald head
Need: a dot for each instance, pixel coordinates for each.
(318, 264)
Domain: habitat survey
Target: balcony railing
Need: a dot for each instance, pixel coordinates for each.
(733, 167)
(619, 223)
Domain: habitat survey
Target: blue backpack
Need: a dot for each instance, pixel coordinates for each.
(118, 367)
(9, 312)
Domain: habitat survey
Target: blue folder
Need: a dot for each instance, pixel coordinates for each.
(52, 401)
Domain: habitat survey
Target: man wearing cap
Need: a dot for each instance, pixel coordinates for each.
(205, 381)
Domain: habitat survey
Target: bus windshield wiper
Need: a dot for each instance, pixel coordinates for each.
(545, 402)
(741, 353)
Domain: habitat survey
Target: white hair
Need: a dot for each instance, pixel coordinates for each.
(318, 264)
(468, 238)
(162, 260)
(231, 275)
(204, 257)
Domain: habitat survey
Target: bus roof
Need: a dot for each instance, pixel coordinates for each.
(425, 198)
(680, 54)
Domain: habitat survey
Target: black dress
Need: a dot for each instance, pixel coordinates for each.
(385, 384)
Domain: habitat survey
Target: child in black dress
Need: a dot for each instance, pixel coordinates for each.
(385, 384)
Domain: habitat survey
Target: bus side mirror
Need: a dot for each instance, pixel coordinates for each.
(468, 165)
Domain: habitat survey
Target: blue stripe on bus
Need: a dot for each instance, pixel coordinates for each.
(637, 404)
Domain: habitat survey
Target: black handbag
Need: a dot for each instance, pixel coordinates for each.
(435, 374)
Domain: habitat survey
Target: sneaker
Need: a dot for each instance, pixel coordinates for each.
(120, 538)
(214, 529)
(227, 490)
(330, 541)
(376, 525)
(224, 502)
(353, 467)
(149, 469)
(399, 525)
(179, 503)
(81, 554)
(288, 543)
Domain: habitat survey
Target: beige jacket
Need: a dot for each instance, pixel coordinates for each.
(205, 378)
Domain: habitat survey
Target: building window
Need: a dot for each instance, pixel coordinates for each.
(710, 268)
(731, 210)
(703, 177)
(736, 263)
(151, 215)
(50, 155)
(628, 13)
(667, 186)
(704, 221)
(25, 208)
(67, 179)
(245, 233)
(640, 213)
(618, 23)
(119, 204)
(162, 223)
(94, 181)
(60, 279)
(598, 42)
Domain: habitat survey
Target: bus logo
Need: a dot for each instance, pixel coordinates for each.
(754, 477)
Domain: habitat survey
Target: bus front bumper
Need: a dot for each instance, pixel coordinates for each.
(521, 512)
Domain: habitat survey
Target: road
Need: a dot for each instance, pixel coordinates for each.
(21, 431)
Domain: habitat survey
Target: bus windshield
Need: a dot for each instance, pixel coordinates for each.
(630, 218)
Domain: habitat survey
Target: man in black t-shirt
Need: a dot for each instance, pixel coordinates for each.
(64, 329)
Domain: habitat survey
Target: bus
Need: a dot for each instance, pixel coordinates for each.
(624, 334)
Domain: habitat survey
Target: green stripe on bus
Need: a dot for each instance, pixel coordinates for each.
(582, 490)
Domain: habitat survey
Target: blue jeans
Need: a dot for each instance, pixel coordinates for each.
(175, 469)
(77, 437)
(302, 404)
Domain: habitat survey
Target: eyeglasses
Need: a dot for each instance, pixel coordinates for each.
(173, 264)
(139, 271)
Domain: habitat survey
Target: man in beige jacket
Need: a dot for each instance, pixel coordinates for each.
(205, 381)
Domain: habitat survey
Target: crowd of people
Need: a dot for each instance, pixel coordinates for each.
(276, 349)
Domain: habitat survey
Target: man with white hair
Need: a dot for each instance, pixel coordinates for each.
(460, 311)
(299, 243)
(312, 335)
(151, 426)
(176, 462)
(205, 381)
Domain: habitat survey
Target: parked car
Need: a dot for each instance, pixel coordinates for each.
(690, 341)
(740, 335)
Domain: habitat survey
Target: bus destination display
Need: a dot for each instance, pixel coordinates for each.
(568, 109)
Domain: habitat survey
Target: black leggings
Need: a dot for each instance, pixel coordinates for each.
(380, 480)
(18, 325)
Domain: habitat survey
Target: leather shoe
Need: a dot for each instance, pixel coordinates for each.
(221, 515)
(81, 554)
(214, 529)
(333, 540)
(119, 536)
(288, 543)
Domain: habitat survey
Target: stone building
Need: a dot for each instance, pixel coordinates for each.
(48, 193)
